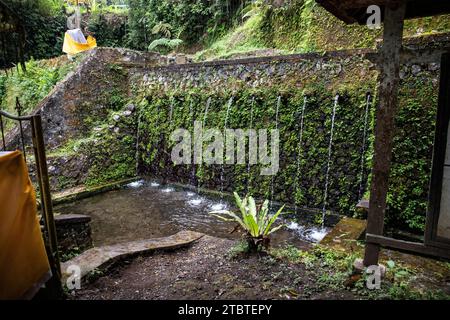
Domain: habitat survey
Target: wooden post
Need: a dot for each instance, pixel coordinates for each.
(54, 284)
(384, 127)
(439, 153)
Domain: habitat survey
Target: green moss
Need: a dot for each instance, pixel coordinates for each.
(407, 198)
(189, 105)
(63, 182)
(304, 26)
(412, 152)
(112, 154)
(71, 147)
(109, 28)
(114, 171)
(108, 151)
(242, 39)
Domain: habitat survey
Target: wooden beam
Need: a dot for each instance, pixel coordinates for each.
(336, 10)
(439, 152)
(409, 246)
(384, 127)
(353, 4)
(351, 11)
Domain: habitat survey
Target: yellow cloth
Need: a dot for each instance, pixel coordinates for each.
(24, 264)
(72, 47)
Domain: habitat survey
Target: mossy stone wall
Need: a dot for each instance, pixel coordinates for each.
(173, 97)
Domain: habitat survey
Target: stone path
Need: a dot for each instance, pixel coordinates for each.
(98, 258)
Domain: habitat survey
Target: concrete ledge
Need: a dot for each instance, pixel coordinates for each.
(82, 192)
(96, 258)
(257, 60)
(63, 219)
(346, 231)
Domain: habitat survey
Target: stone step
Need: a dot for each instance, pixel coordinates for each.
(81, 192)
(97, 258)
(346, 230)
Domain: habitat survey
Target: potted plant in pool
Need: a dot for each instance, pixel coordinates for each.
(255, 221)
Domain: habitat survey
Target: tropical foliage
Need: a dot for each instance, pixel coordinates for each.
(220, 28)
(164, 44)
(45, 24)
(34, 84)
(256, 222)
(192, 21)
(108, 28)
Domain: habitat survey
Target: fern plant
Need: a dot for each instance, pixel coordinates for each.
(168, 44)
(256, 222)
(162, 28)
(252, 9)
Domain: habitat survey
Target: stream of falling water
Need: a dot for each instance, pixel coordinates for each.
(166, 152)
(299, 150)
(205, 116)
(171, 112)
(137, 141)
(330, 149)
(222, 168)
(363, 148)
(273, 176)
(250, 127)
(191, 117)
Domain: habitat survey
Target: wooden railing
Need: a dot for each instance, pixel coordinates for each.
(46, 207)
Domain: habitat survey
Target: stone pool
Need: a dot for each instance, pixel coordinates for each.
(147, 209)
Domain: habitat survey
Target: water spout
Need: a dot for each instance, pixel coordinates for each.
(330, 149)
(222, 168)
(250, 127)
(137, 143)
(171, 111)
(191, 115)
(205, 116)
(299, 150)
(363, 147)
(166, 138)
(276, 127)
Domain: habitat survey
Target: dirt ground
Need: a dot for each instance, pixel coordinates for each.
(206, 271)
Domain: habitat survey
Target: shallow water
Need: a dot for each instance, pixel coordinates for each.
(146, 209)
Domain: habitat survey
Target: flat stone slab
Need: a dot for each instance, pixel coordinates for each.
(363, 204)
(346, 230)
(80, 192)
(96, 258)
(71, 219)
